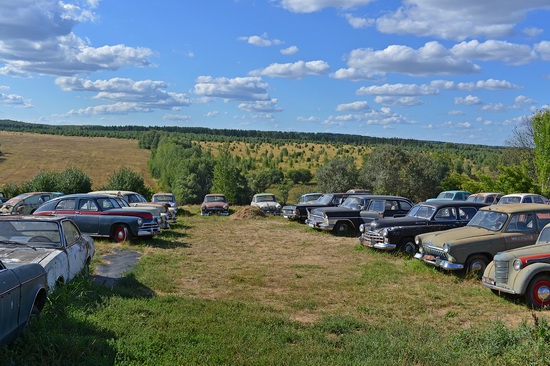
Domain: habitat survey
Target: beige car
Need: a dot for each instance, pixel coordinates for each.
(524, 271)
(26, 203)
(493, 229)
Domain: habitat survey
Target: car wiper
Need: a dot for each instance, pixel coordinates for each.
(16, 243)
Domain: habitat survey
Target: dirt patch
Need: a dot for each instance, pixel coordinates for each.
(248, 212)
(114, 266)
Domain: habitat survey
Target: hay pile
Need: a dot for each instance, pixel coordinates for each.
(248, 212)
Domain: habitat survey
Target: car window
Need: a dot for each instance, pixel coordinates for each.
(520, 222)
(527, 200)
(543, 218)
(537, 199)
(67, 204)
(466, 213)
(445, 214)
(71, 232)
(87, 205)
(107, 203)
(377, 206)
(405, 205)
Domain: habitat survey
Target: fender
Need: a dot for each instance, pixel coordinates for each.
(526, 275)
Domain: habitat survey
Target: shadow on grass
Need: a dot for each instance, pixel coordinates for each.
(65, 333)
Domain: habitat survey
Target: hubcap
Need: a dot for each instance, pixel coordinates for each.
(476, 266)
(543, 293)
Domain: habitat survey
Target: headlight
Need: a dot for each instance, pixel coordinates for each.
(226, 206)
(446, 247)
(421, 249)
(140, 221)
(518, 264)
(362, 228)
(278, 206)
(417, 241)
(384, 232)
(203, 208)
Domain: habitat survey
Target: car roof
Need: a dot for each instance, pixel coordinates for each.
(113, 191)
(455, 203)
(87, 195)
(522, 195)
(163, 194)
(485, 194)
(216, 194)
(517, 207)
(383, 197)
(47, 218)
(264, 194)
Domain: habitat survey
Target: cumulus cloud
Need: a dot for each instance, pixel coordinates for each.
(543, 48)
(433, 58)
(240, 88)
(264, 106)
(398, 89)
(449, 19)
(289, 51)
(296, 70)
(261, 41)
(307, 119)
(354, 106)
(146, 94)
(357, 22)
(49, 47)
(110, 109)
(468, 100)
(385, 116)
(402, 102)
(311, 6)
(533, 32)
(15, 100)
(515, 54)
(176, 118)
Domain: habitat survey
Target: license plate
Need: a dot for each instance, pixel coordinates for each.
(429, 257)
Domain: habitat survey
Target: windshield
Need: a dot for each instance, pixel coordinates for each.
(421, 211)
(353, 203)
(31, 233)
(476, 199)
(163, 198)
(446, 195)
(490, 220)
(544, 237)
(324, 199)
(507, 200)
(265, 198)
(216, 199)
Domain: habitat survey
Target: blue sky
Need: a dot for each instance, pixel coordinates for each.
(461, 71)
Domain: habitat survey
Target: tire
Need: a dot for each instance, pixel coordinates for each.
(342, 228)
(408, 246)
(476, 264)
(121, 233)
(537, 294)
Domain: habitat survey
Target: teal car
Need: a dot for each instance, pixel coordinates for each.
(452, 195)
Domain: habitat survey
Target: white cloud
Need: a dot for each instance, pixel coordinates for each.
(458, 20)
(111, 109)
(296, 70)
(310, 6)
(307, 119)
(49, 47)
(176, 118)
(357, 22)
(468, 100)
(354, 106)
(289, 51)
(533, 32)
(451, 124)
(240, 88)
(15, 100)
(494, 107)
(543, 48)
(515, 54)
(398, 89)
(522, 99)
(403, 101)
(212, 114)
(490, 84)
(266, 106)
(456, 113)
(261, 41)
(384, 117)
(433, 58)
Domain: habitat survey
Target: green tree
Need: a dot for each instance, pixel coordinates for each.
(338, 175)
(125, 179)
(541, 138)
(73, 180)
(260, 181)
(44, 182)
(284, 189)
(226, 176)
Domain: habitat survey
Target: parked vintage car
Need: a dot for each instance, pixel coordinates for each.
(215, 203)
(289, 211)
(490, 198)
(523, 271)
(26, 203)
(158, 217)
(23, 292)
(267, 203)
(451, 195)
(135, 199)
(493, 229)
(54, 242)
(425, 217)
(523, 198)
(166, 198)
(353, 212)
(100, 215)
(301, 210)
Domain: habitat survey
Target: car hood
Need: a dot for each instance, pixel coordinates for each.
(153, 210)
(266, 204)
(214, 204)
(160, 207)
(398, 221)
(451, 236)
(336, 209)
(14, 255)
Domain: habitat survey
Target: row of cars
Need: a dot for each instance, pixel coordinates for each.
(51, 246)
(494, 241)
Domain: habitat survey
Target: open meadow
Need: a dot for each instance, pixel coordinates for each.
(265, 291)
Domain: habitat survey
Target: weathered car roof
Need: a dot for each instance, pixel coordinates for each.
(220, 194)
(32, 218)
(264, 194)
(455, 203)
(522, 195)
(517, 207)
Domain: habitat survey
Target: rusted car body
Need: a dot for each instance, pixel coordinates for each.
(215, 203)
(27, 203)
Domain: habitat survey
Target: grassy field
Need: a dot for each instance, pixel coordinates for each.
(216, 290)
(25, 154)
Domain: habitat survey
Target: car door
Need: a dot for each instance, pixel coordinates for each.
(521, 230)
(77, 252)
(87, 216)
(9, 302)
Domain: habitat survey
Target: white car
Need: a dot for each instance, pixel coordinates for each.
(522, 198)
(54, 242)
(267, 203)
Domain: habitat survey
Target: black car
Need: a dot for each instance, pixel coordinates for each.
(399, 233)
(355, 210)
(300, 211)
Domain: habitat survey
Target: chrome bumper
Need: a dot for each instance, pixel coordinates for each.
(441, 263)
(320, 225)
(377, 245)
(489, 282)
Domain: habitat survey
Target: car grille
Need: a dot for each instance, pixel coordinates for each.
(288, 212)
(373, 237)
(435, 251)
(501, 271)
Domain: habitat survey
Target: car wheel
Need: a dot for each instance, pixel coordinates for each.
(538, 291)
(408, 246)
(476, 264)
(121, 233)
(341, 228)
